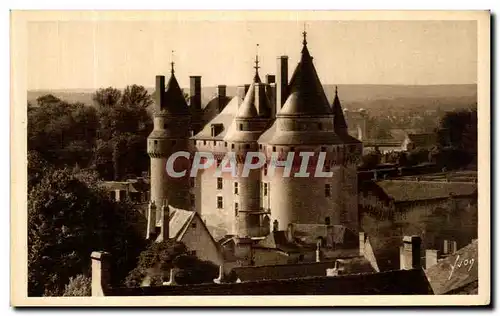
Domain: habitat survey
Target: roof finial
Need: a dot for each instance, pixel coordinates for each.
(304, 42)
(256, 77)
(172, 63)
(336, 91)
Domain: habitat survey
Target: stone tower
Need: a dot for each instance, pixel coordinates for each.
(251, 121)
(306, 124)
(170, 134)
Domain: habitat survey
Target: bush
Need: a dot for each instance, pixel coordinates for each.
(78, 286)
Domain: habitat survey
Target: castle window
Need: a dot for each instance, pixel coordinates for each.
(235, 187)
(235, 209)
(174, 142)
(241, 127)
(274, 148)
(260, 146)
(327, 190)
(323, 148)
(265, 189)
(225, 144)
(204, 142)
(219, 202)
(247, 146)
(320, 126)
(165, 126)
(193, 225)
(219, 183)
(265, 169)
(327, 220)
(232, 146)
(156, 142)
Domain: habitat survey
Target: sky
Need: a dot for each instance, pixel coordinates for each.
(94, 54)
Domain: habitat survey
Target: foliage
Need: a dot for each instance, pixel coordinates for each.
(69, 216)
(156, 261)
(110, 138)
(78, 286)
(371, 160)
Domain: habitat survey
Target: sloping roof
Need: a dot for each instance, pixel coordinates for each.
(339, 123)
(226, 118)
(334, 234)
(129, 186)
(278, 240)
(422, 139)
(455, 271)
(174, 101)
(299, 270)
(179, 222)
(398, 282)
(307, 96)
(211, 109)
(405, 191)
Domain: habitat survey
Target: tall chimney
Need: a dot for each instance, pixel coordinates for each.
(271, 93)
(361, 243)
(260, 95)
(195, 92)
(240, 92)
(446, 247)
(159, 92)
(165, 223)
(409, 253)
(281, 82)
(221, 93)
(431, 257)
(151, 228)
(100, 273)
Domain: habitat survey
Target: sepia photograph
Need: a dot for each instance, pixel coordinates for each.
(317, 158)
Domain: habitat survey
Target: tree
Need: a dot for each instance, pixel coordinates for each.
(157, 259)
(69, 216)
(107, 97)
(371, 160)
(78, 286)
(136, 96)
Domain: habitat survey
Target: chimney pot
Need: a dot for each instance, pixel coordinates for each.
(221, 91)
(100, 273)
(159, 92)
(361, 243)
(410, 253)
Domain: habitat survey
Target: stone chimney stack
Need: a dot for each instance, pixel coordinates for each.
(159, 93)
(409, 253)
(290, 232)
(260, 95)
(281, 82)
(431, 257)
(318, 250)
(195, 92)
(165, 222)
(221, 94)
(271, 93)
(151, 228)
(240, 92)
(100, 273)
(362, 239)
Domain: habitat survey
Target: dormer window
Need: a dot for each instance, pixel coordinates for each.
(241, 127)
(216, 129)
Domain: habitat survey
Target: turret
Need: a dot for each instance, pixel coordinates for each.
(171, 131)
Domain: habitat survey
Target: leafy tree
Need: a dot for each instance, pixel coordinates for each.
(107, 97)
(371, 160)
(136, 96)
(156, 261)
(78, 286)
(69, 216)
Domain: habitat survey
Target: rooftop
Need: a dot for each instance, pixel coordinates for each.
(405, 191)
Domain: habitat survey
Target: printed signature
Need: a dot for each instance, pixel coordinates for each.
(459, 263)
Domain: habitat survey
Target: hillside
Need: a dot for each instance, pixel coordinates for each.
(352, 96)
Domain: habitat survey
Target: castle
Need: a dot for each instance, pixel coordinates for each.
(279, 116)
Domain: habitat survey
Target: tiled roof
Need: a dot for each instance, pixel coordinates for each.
(339, 123)
(307, 96)
(404, 191)
(300, 270)
(226, 118)
(211, 109)
(174, 102)
(398, 282)
(423, 139)
(334, 234)
(456, 271)
(179, 222)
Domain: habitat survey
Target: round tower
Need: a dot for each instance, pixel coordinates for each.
(306, 126)
(250, 121)
(170, 134)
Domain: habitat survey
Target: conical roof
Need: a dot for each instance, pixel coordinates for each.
(307, 96)
(339, 123)
(174, 101)
(247, 108)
